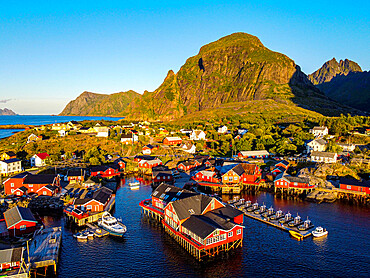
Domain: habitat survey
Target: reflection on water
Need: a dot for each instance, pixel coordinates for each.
(146, 251)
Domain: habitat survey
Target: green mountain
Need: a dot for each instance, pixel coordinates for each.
(234, 69)
(92, 104)
(344, 82)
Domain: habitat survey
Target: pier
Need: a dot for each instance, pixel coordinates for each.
(44, 249)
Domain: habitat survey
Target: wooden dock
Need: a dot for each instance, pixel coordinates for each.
(276, 224)
(44, 249)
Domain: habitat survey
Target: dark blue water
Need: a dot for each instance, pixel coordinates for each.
(42, 120)
(146, 251)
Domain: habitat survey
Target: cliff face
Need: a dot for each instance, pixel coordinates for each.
(236, 68)
(344, 82)
(331, 69)
(6, 112)
(92, 104)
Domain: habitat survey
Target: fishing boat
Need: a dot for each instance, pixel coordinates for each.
(233, 201)
(111, 225)
(297, 221)
(89, 234)
(80, 236)
(319, 232)
(254, 207)
(307, 224)
(248, 204)
(279, 214)
(287, 218)
(261, 210)
(270, 212)
(296, 235)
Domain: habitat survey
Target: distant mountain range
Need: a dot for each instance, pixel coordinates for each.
(344, 82)
(235, 74)
(6, 112)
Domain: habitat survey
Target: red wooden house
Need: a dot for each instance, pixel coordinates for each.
(138, 158)
(277, 171)
(252, 173)
(121, 163)
(32, 182)
(186, 165)
(11, 259)
(172, 141)
(162, 176)
(97, 203)
(76, 175)
(207, 176)
(148, 164)
(147, 149)
(47, 190)
(21, 191)
(354, 185)
(19, 221)
(166, 193)
(283, 163)
(286, 181)
(105, 171)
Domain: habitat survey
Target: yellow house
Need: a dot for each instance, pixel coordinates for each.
(7, 155)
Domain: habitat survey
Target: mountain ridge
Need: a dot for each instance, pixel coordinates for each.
(7, 112)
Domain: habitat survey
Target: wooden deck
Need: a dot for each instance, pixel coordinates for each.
(45, 247)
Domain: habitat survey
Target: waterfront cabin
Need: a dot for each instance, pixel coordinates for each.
(105, 171)
(207, 176)
(252, 173)
(354, 185)
(8, 155)
(165, 193)
(149, 164)
(162, 175)
(186, 165)
(286, 181)
(19, 221)
(39, 159)
(325, 157)
(10, 166)
(11, 259)
(254, 154)
(233, 173)
(172, 141)
(99, 201)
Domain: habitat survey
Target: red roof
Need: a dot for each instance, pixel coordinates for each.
(42, 155)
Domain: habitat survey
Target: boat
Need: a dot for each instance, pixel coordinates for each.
(233, 201)
(296, 235)
(80, 236)
(89, 234)
(319, 232)
(279, 214)
(307, 224)
(254, 207)
(248, 204)
(297, 221)
(111, 225)
(270, 212)
(287, 218)
(261, 210)
(134, 183)
(134, 187)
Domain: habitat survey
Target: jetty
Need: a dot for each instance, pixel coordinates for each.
(44, 249)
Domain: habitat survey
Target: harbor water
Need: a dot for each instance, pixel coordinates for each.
(146, 251)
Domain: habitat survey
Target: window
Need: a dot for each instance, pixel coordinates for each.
(44, 193)
(217, 232)
(230, 234)
(348, 187)
(230, 178)
(191, 211)
(89, 207)
(168, 189)
(30, 185)
(225, 178)
(12, 191)
(161, 197)
(23, 227)
(235, 178)
(213, 205)
(178, 193)
(238, 231)
(12, 184)
(155, 193)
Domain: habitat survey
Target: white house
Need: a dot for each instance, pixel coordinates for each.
(325, 157)
(319, 131)
(254, 154)
(186, 131)
(198, 135)
(188, 147)
(316, 145)
(347, 147)
(39, 159)
(222, 129)
(103, 131)
(10, 166)
(62, 132)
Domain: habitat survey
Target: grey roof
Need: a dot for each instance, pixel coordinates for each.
(11, 255)
(297, 179)
(160, 173)
(348, 181)
(16, 214)
(12, 160)
(238, 169)
(10, 153)
(168, 192)
(227, 211)
(284, 162)
(102, 194)
(323, 154)
(204, 225)
(39, 179)
(192, 205)
(321, 141)
(103, 168)
(79, 202)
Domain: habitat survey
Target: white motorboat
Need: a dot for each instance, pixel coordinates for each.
(80, 236)
(134, 183)
(111, 225)
(319, 232)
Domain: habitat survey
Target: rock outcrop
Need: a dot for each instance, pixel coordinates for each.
(6, 112)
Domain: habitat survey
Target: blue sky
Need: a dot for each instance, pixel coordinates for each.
(51, 51)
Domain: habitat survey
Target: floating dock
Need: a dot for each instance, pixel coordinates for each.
(45, 248)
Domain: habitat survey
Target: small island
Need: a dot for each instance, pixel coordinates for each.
(7, 112)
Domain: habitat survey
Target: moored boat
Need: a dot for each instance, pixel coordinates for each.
(270, 212)
(254, 207)
(297, 221)
(111, 225)
(100, 233)
(80, 236)
(248, 204)
(134, 183)
(261, 210)
(307, 224)
(279, 214)
(287, 218)
(319, 232)
(296, 235)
